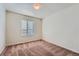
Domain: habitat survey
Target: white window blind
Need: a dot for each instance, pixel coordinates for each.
(27, 27)
(30, 28)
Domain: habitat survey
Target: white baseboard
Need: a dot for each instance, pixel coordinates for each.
(21, 42)
(61, 46)
(2, 50)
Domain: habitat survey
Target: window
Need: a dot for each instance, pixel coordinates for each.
(27, 27)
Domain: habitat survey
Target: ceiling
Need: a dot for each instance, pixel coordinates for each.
(45, 10)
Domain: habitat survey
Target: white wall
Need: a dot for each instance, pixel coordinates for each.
(13, 29)
(2, 27)
(62, 28)
(24, 9)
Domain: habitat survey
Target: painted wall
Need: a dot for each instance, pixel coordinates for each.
(24, 9)
(14, 29)
(62, 28)
(2, 27)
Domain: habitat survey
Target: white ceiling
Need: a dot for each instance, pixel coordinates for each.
(45, 10)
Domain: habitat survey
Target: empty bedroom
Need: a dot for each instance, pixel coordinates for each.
(39, 29)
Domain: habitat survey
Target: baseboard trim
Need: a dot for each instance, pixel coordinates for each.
(60, 46)
(23, 43)
(3, 51)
